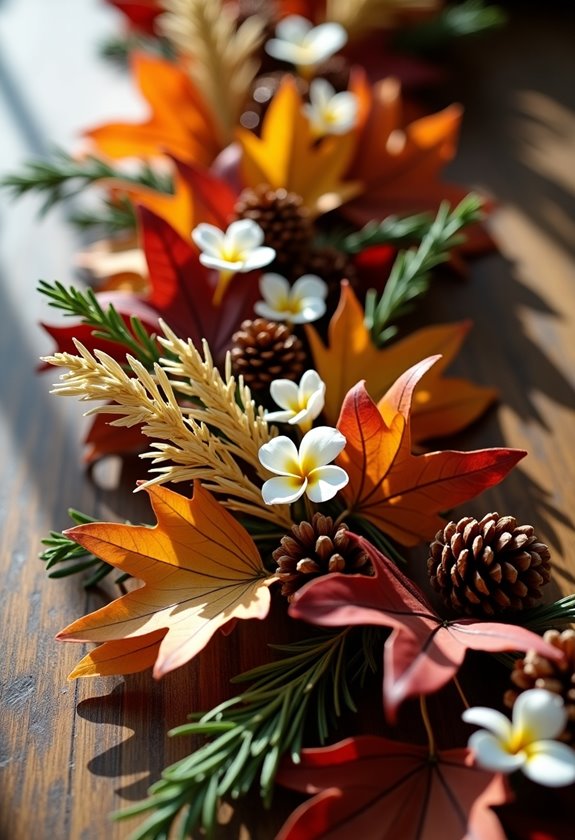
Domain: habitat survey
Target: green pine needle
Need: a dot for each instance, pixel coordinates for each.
(63, 177)
(251, 733)
(71, 558)
(107, 324)
(411, 272)
(393, 230)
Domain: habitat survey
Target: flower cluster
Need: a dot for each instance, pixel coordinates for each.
(252, 362)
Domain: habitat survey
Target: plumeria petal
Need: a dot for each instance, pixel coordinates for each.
(286, 393)
(321, 92)
(309, 384)
(219, 264)
(492, 755)
(490, 719)
(283, 490)
(550, 763)
(258, 258)
(326, 39)
(293, 28)
(310, 286)
(320, 446)
(244, 235)
(279, 416)
(310, 311)
(208, 238)
(280, 456)
(325, 482)
(538, 715)
(275, 289)
(264, 310)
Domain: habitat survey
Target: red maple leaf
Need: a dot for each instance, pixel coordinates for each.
(424, 651)
(182, 289)
(379, 789)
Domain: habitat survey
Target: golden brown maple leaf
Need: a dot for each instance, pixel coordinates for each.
(180, 123)
(201, 569)
(400, 165)
(288, 155)
(400, 493)
(440, 406)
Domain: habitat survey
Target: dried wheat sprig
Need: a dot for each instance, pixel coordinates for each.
(364, 15)
(192, 448)
(225, 403)
(222, 56)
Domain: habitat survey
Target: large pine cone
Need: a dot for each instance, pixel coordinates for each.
(265, 350)
(536, 671)
(283, 218)
(487, 567)
(317, 548)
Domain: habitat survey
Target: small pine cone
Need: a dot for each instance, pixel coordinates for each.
(317, 548)
(535, 671)
(265, 350)
(488, 567)
(285, 221)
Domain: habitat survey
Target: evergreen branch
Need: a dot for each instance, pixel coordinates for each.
(546, 616)
(394, 230)
(72, 558)
(107, 324)
(119, 48)
(252, 732)
(410, 275)
(64, 177)
(456, 21)
(111, 218)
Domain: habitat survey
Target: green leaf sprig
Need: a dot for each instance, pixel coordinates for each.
(309, 686)
(71, 558)
(410, 275)
(460, 20)
(107, 324)
(63, 177)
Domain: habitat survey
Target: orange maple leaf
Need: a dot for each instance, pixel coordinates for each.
(440, 406)
(180, 124)
(400, 493)
(201, 569)
(288, 155)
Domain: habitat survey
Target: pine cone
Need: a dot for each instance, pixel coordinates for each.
(487, 567)
(535, 671)
(283, 218)
(317, 548)
(265, 350)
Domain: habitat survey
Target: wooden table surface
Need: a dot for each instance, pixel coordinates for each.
(72, 752)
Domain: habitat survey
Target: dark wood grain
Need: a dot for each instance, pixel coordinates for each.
(72, 752)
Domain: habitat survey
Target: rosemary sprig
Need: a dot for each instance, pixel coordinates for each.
(393, 230)
(410, 275)
(63, 177)
(543, 617)
(107, 324)
(72, 558)
(111, 218)
(253, 731)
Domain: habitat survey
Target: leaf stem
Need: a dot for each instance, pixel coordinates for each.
(427, 724)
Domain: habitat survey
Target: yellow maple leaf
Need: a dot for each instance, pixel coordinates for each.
(201, 570)
(288, 155)
(440, 406)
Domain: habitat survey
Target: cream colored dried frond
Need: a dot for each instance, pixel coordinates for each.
(362, 16)
(223, 61)
(185, 438)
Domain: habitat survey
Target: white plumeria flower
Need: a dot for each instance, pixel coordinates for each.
(301, 43)
(238, 249)
(306, 470)
(301, 403)
(330, 112)
(527, 742)
(299, 304)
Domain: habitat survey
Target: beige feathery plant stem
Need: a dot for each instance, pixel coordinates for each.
(222, 56)
(363, 16)
(215, 440)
